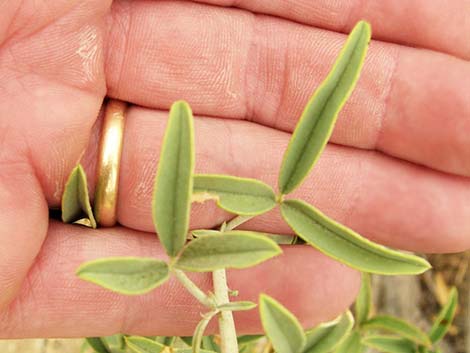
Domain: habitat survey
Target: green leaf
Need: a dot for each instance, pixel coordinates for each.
(345, 245)
(390, 344)
(114, 343)
(174, 182)
(75, 200)
(241, 196)
(203, 232)
(282, 239)
(125, 275)
(143, 345)
(444, 319)
(97, 344)
(325, 337)
(85, 347)
(228, 250)
(237, 306)
(247, 339)
(188, 340)
(199, 331)
(397, 326)
(281, 326)
(190, 350)
(351, 344)
(165, 340)
(169, 341)
(363, 302)
(208, 343)
(422, 349)
(319, 116)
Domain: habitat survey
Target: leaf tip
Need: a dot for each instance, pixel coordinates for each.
(181, 104)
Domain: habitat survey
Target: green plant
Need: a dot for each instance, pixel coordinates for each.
(402, 337)
(214, 250)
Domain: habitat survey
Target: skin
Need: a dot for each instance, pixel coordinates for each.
(397, 169)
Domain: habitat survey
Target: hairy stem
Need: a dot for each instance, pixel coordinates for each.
(228, 333)
(193, 288)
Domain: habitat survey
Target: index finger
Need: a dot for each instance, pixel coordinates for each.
(438, 25)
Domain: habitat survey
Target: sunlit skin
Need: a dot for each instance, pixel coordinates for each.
(397, 169)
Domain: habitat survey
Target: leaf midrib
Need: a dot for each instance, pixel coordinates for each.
(232, 193)
(258, 251)
(176, 189)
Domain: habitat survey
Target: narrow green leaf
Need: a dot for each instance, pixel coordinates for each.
(143, 345)
(228, 250)
(397, 326)
(281, 326)
(203, 232)
(169, 341)
(282, 239)
(345, 245)
(188, 340)
(237, 306)
(174, 182)
(390, 344)
(241, 196)
(114, 343)
(247, 339)
(444, 319)
(325, 337)
(75, 200)
(363, 302)
(165, 340)
(208, 343)
(126, 275)
(190, 350)
(199, 331)
(85, 347)
(319, 116)
(97, 345)
(351, 344)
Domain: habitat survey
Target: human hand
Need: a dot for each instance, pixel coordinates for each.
(397, 170)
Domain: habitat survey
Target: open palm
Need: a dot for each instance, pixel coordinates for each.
(397, 169)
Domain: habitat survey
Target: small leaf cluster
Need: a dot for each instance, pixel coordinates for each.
(383, 333)
(389, 334)
(177, 186)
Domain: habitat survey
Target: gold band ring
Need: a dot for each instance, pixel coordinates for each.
(109, 160)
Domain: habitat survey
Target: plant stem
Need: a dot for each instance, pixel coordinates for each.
(228, 333)
(193, 288)
(237, 221)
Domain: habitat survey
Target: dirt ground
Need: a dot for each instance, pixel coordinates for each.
(416, 299)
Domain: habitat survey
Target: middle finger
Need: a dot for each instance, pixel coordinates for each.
(409, 102)
(393, 202)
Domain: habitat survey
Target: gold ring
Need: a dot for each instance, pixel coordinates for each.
(109, 159)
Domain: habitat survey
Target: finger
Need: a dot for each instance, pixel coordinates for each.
(23, 219)
(409, 103)
(51, 86)
(420, 23)
(55, 303)
(390, 201)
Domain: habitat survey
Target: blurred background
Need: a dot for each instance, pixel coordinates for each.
(414, 298)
